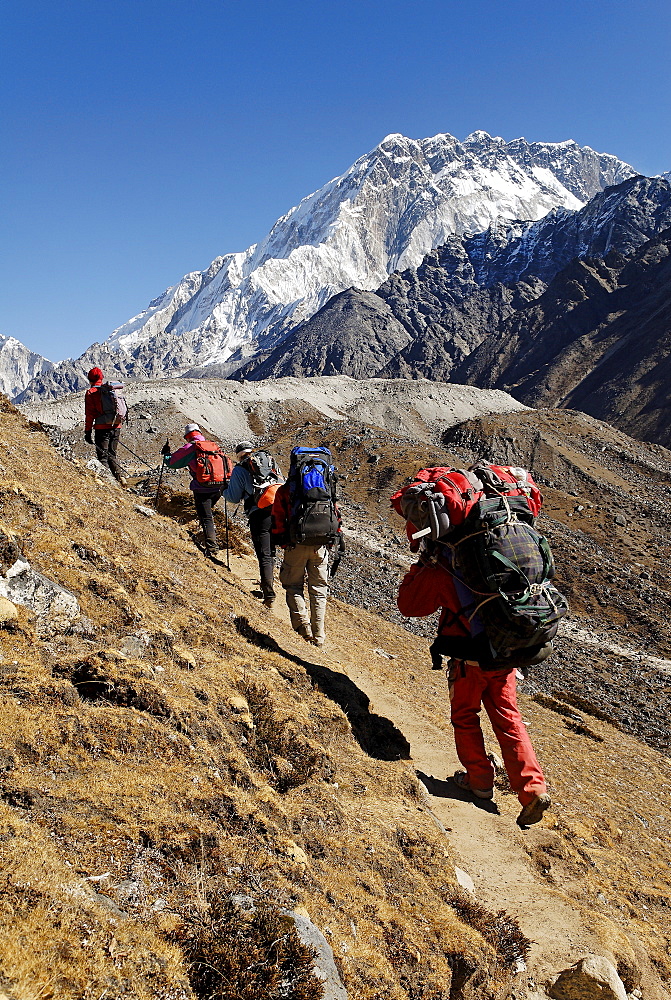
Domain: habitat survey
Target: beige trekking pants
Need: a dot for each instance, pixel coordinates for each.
(298, 561)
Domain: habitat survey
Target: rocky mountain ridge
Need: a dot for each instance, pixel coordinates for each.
(423, 321)
(391, 207)
(479, 310)
(19, 365)
(597, 340)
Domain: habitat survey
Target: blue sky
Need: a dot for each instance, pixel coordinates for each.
(140, 139)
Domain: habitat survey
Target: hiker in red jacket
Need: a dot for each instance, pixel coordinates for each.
(98, 426)
(428, 586)
(210, 479)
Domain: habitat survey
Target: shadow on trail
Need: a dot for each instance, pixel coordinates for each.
(442, 789)
(377, 736)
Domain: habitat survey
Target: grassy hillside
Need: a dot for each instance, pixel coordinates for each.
(180, 756)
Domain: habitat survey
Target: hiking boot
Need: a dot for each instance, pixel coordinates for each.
(460, 778)
(304, 632)
(269, 600)
(123, 483)
(319, 643)
(534, 810)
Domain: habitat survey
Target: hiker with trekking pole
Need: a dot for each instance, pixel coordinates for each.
(255, 480)
(482, 562)
(211, 469)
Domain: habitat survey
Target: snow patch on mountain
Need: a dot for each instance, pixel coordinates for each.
(19, 365)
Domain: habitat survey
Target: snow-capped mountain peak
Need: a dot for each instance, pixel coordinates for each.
(383, 214)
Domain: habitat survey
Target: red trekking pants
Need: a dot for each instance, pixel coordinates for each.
(471, 688)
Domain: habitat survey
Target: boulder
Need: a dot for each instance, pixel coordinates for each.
(136, 644)
(592, 978)
(101, 470)
(325, 967)
(8, 612)
(54, 607)
(10, 549)
(464, 880)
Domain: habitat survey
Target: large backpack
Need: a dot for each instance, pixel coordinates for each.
(266, 478)
(113, 406)
(483, 519)
(213, 466)
(312, 492)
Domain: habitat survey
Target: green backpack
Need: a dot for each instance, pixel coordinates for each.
(498, 554)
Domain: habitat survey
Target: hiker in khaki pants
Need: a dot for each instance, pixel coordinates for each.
(299, 561)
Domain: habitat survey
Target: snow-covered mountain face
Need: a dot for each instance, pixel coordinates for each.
(422, 321)
(383, 214)
(18, 366)
(389, 209)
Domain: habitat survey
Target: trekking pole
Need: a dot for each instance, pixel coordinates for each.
(228, 551)
(136, 456)
(164, 451)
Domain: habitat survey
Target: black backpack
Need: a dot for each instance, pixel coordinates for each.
(312, 491)
(264, 472)
(508, 566)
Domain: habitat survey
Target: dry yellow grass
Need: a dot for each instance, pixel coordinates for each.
(135, 790)
(187, 746)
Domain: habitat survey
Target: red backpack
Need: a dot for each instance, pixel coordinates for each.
(213, 466)
(439, 499)
(480, 522)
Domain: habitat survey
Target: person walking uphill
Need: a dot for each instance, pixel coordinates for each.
(210, 469)
(476, 528)
(306, 523)
(105, 410)
(254, 480)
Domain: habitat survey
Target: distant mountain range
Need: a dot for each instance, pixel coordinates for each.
(569, 309)
(382, 215)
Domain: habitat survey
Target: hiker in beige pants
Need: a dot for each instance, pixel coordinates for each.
(300, 560)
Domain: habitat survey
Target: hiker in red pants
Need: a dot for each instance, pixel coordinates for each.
(428, 586)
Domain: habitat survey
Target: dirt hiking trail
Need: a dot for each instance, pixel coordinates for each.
(483, 837)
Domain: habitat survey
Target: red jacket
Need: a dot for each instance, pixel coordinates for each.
(427, 587)
(93, 409)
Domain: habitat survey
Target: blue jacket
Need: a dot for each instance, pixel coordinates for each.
(240, 487)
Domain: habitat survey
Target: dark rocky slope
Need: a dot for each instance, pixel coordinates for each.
(464, 291)
(332, 344)
(597, 340)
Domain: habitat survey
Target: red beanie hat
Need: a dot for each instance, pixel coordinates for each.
(95, 374)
